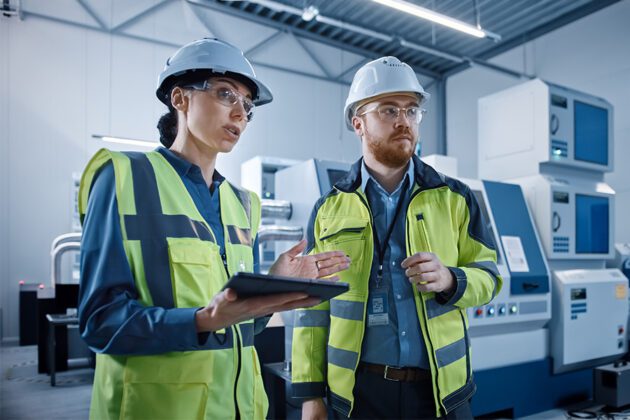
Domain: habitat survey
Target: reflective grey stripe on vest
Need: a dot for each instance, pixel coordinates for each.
(346, 309)
(245, 199)
(151, 227)
(342, 358)
(312, 318)
(451, 353)
(491, 268)
(247, 334)
(435, 309)
(240, 236)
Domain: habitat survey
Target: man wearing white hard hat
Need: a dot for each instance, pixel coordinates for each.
(396, 344)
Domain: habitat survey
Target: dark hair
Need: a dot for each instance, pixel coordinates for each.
(167, 126)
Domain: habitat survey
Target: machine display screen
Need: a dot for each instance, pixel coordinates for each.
(591, 224)
(591, 133)
(335, 175)
(578, 294)
(486, 220)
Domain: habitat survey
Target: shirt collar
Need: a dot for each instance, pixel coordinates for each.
(185, 168)
(366, 176)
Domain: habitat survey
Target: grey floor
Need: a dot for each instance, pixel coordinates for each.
(25, 394)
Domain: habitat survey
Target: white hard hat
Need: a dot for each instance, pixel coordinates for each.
(216, 56)
(382, 76)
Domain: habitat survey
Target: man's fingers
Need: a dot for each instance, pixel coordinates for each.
(417, 258)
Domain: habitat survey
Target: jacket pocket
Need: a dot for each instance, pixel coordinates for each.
(197, 271)
(341, 229)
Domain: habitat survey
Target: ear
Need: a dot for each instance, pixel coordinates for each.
(179, 99)
(357, 124)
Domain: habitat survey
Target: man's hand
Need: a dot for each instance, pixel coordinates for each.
(226, 309)
(427, 272)
(315, 266)
(314, 410)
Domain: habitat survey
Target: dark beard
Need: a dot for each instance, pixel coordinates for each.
(391, 154)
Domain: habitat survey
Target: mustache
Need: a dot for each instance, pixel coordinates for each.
(405, 131)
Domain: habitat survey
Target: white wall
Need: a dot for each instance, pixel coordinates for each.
(590, 55)
(60, 84)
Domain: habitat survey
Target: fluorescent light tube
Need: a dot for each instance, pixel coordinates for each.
(122, 140)
(439, 18)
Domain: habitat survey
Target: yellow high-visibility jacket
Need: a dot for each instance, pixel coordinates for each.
(444, 218)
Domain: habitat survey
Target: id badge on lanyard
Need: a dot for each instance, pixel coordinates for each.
(378, 307)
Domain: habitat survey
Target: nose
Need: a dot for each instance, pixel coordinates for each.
(402, 119)
(238, 110)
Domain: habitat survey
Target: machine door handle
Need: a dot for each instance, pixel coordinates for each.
(555, 224)
(530, 286)
(554, 124)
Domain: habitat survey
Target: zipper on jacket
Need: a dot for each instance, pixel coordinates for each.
(421, 299)
(467, 347)
(237, 344)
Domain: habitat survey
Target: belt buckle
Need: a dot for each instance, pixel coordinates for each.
(387, 368)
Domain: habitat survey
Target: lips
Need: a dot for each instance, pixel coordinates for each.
(232, 129)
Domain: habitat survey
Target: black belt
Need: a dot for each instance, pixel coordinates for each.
(391, 373)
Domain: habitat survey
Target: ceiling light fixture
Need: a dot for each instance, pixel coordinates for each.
(310, 13)
(439, 18)
(122, 140)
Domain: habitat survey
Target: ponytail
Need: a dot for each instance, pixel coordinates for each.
(167, 126)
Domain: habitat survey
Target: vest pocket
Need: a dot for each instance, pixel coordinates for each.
(167, 386)
(197, 272)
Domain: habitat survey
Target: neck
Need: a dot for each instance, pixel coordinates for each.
(198, 154)
(388, 177)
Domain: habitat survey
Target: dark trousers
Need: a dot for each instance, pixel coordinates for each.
(379, 398)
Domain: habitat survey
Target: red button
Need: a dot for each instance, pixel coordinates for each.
(479, 311)
(621, 330)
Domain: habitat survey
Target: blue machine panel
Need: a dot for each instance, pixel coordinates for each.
(591, 228)
(511, 218)
(591, 133)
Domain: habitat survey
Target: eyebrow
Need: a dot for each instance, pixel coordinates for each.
(231, 83)
(410, 103)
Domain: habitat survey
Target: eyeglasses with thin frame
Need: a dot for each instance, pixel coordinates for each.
(390, 113)
(227, 96)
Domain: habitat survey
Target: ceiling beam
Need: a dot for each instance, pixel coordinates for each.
(233, 11)
(537, 32)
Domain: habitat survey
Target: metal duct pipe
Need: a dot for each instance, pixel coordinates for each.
(55, 259)
(276, 209)
(66, 237)
(268, 233)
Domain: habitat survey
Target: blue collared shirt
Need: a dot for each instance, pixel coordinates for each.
(111, 318)
(400, 342)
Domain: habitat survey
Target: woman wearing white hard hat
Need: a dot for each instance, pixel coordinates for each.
(162, 232)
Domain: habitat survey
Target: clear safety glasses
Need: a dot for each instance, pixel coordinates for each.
(391, 113)
(227, 96)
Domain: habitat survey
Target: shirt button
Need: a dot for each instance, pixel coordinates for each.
(398, 296)
(404, 333)
(394, 263)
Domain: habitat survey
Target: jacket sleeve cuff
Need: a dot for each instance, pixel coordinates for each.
(452, 296)
(308, 390)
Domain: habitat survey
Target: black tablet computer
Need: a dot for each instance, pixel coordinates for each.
(250, 284)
